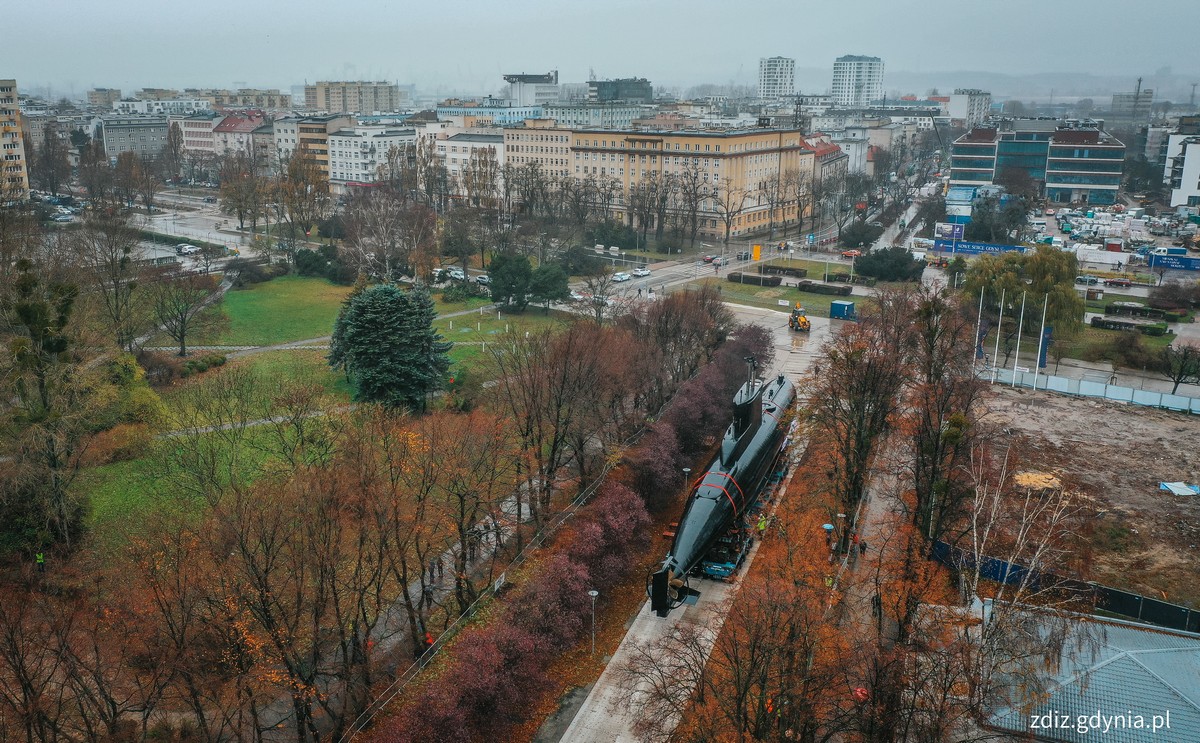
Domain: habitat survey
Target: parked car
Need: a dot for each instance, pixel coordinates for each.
(210, 200)
(744, 255)
(1088, 280)
(641, 271)
(189, 250)
(851, 253)
(483, 280)
(457, 274)
(621, 276)
(577, 297)
(63, 218)
(1118, 282)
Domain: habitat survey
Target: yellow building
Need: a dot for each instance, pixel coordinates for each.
(14, 173)
(352, 97)
(539, 141)
(752, 174)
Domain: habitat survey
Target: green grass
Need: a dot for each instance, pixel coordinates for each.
(289, 308)
(768, 297)
(477, 327)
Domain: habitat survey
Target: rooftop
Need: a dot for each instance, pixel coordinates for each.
(1113, 668)
(489, 138)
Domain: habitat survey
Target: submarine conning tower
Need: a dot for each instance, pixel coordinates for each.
(747, 416)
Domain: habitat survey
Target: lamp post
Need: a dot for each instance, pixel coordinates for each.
(593, 593)
(686, 471)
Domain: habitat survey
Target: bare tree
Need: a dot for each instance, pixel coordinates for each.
(729, 204)
(183, 306)
(49, 166)
(690, 197)
(106, 249)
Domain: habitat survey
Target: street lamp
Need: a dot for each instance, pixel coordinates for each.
(686, 471)
(593, 593)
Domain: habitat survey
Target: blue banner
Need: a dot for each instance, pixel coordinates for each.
(1047, 339)
(967, 248)
(1175, 262)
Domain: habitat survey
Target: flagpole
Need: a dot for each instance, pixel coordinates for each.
(999, 329)
(1041, 342)
(978, 329)
(1020, 327)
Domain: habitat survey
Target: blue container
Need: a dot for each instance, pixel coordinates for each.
(842, 310)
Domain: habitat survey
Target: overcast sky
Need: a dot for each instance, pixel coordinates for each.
(468, 44)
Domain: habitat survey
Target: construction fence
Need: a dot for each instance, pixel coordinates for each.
(1112, 600)
(1086, 388)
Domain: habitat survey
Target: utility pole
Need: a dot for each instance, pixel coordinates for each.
(1192, 100)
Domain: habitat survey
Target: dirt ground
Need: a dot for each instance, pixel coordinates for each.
(1144, 539)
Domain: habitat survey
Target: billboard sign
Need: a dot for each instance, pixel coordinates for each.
(968, 248)
(1174, 262)
(948, 231)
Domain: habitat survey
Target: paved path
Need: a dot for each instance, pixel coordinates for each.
(601, 718)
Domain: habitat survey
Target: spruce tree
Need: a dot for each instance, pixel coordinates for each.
(385, 342)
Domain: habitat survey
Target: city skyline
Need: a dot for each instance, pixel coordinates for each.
(464, 46)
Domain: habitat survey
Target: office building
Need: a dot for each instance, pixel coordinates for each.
(589, 115)
(857, 80)
(1072, 161)
(1130, 110)
(627, 89)
(144, 136)
(488, 112)
(736, 161)
(532, 90)
(542, 142)
(103, 97)
(776, 78)
(14, 171)
(352, 97)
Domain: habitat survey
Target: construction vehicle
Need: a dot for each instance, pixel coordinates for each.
(799, 320)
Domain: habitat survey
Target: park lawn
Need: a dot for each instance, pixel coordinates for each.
(289, 308)
(769, 297)
(493, 323)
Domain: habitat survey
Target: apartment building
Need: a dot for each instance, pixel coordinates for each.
(269, 100)
(1183, 172)
(14, 172)
(356, 154)
(144, 136)
(857, 80)
(539, 141)
(456, 151)
(311, 133)
(748, 162)
(968, 107)
(776, 78)
(352, 97)
(197, 131)
(490, 111)
(170, 107)
(234, 133)
(103, 97)
(263, 141)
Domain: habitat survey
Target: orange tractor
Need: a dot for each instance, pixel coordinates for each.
(799, 320)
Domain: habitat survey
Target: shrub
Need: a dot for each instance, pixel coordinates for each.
(310, 263)
(202, 364)
(459, 291)
(161, 368)
(121, 443)
(893, 264)
(655, 465)
(243, 273)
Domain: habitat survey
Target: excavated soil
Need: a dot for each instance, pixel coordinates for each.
(1139, 538)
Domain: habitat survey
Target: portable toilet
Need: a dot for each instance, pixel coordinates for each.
(840, 309)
